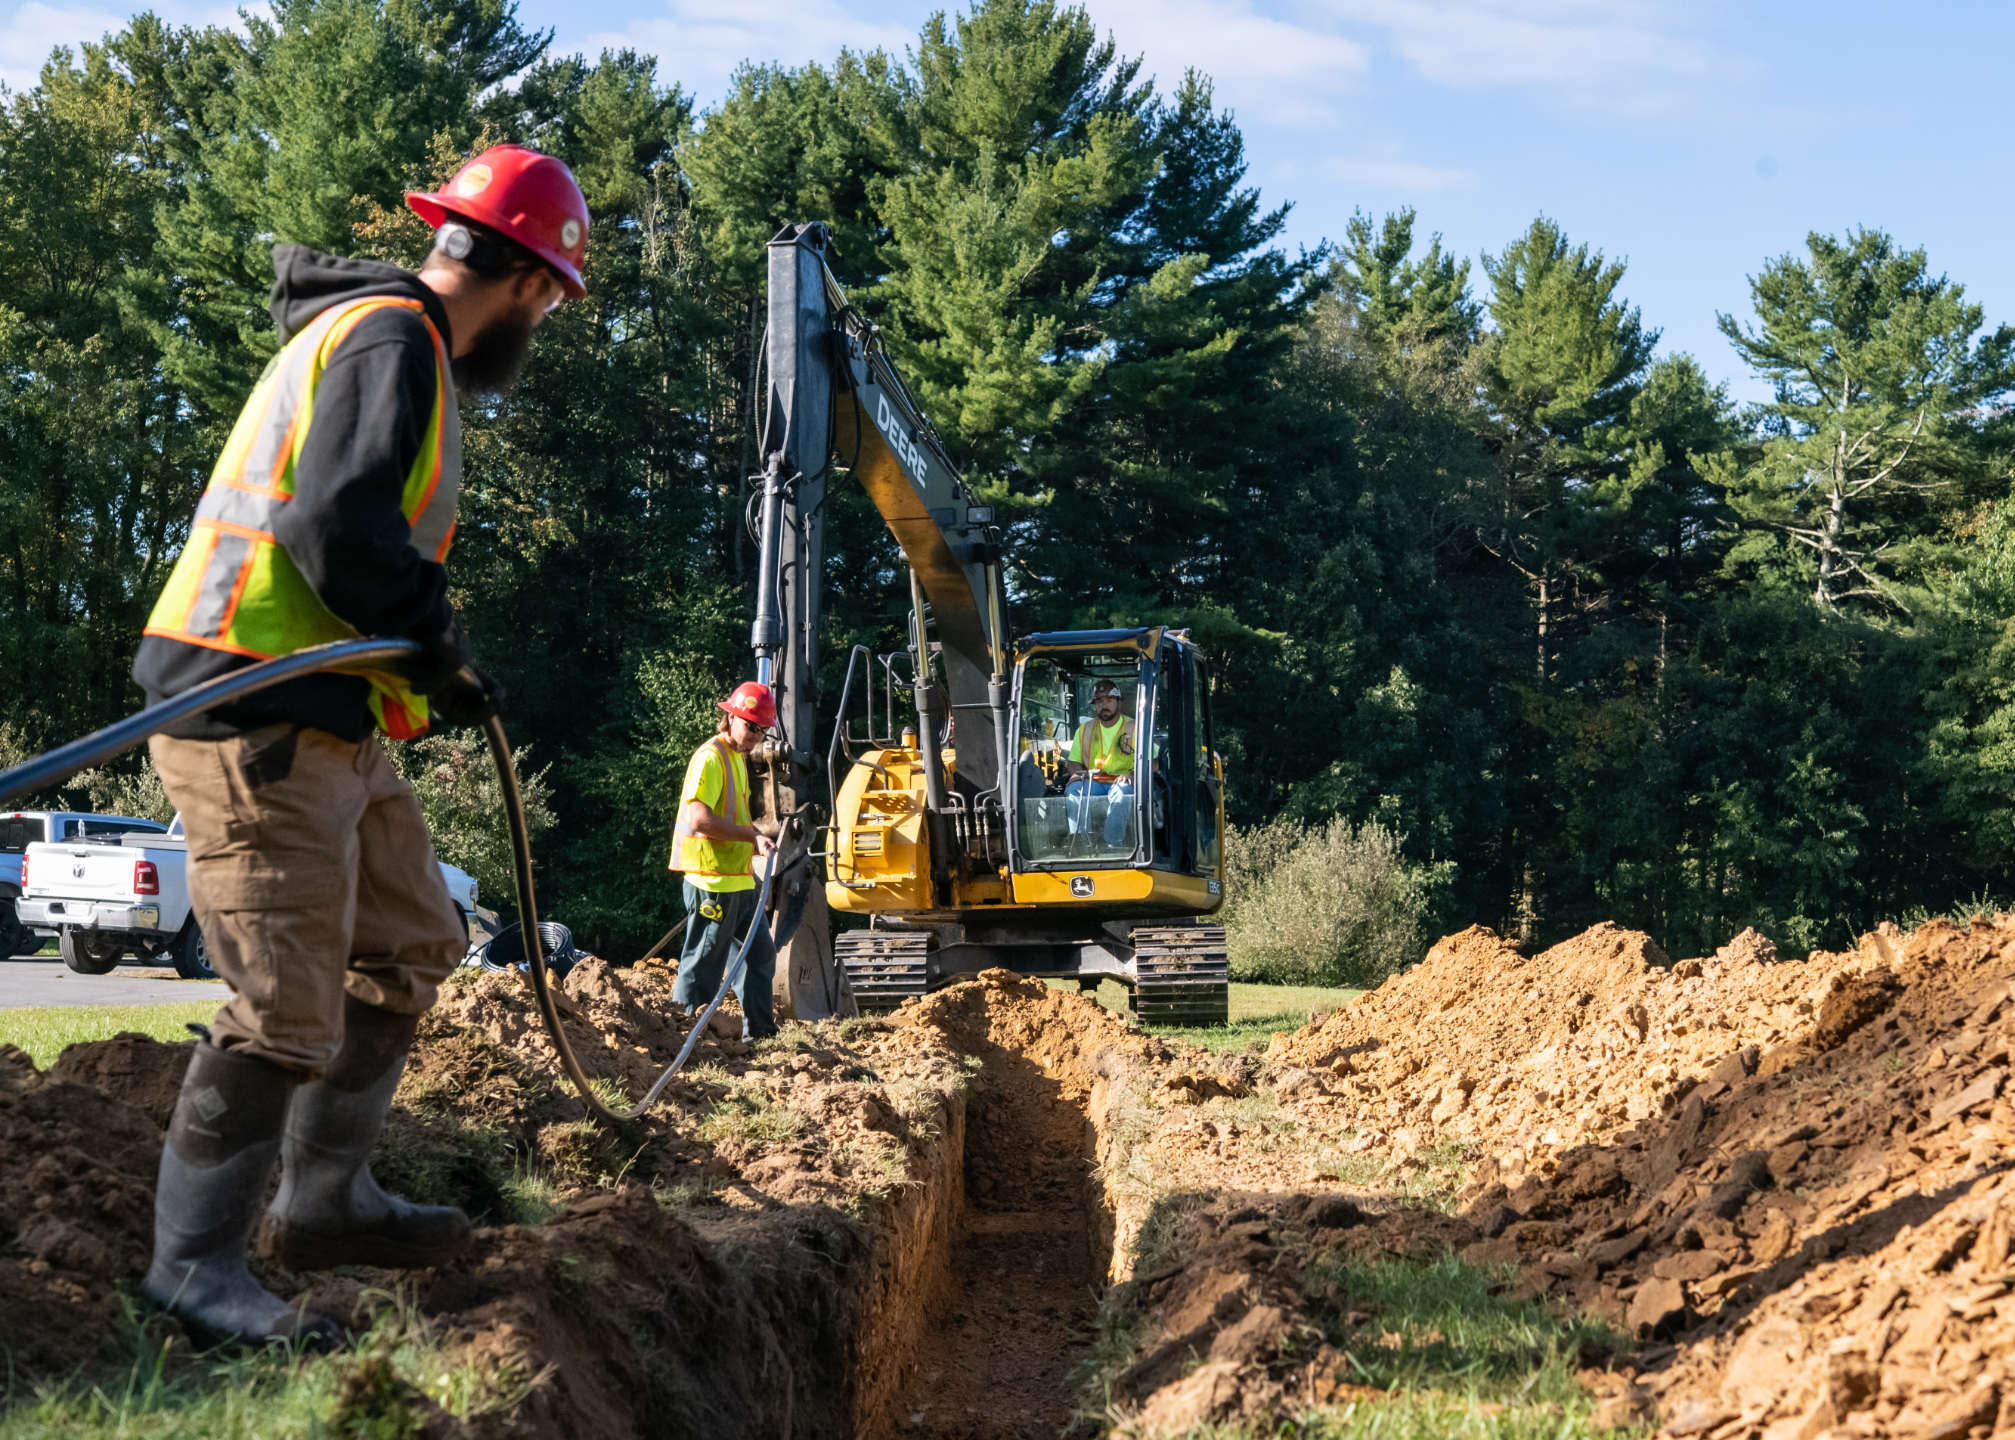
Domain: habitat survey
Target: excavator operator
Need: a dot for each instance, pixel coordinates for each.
(1101, 764)
(328, 516)
(716, 846)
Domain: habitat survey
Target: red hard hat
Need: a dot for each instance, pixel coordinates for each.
(520, 193)
(753, 702)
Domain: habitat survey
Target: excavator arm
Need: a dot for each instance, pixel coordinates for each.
(832, 393)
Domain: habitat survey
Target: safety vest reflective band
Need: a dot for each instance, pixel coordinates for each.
(1107, 749)
(234, 587)
(715, 864)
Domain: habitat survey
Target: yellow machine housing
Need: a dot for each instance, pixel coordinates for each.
(1071, 877)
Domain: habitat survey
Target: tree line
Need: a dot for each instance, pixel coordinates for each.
(1474, 560)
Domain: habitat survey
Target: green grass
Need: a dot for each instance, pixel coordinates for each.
(371, 1391)
(1453, 1347)
(1458, 1350)
(43, 1032)
(1433, 1179)
(1425, 1417)
(1257, 1012)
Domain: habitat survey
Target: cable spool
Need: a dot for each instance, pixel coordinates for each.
(506, 949)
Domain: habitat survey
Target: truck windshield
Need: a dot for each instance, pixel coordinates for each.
(18, 832)
(117, 827)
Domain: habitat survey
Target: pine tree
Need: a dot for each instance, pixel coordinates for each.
(1885, 396)
(1411, 302)
(1033, 141)
(99, 466)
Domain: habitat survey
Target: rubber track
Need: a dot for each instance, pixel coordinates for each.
(1181, 975)
(883, 967)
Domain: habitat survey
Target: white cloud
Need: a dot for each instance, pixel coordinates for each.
(1385, 173)
(1265, 68)
(699, 43)
(33, 29)
(1572, 47)
(1295, 62)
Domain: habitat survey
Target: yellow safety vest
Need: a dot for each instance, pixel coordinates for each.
(716, 865)
(235, 588)
(1098, 747)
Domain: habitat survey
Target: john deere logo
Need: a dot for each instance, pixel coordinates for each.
(473, 181)
(1080, 886)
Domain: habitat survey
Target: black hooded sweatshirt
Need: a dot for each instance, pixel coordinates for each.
(344, 529)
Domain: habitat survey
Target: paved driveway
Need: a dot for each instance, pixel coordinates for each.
(45, 980)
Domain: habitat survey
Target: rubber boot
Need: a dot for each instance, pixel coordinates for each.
(330, 1211)
(219, 1155)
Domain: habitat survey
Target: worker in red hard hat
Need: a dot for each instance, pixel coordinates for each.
(329, 516)
(715, 845)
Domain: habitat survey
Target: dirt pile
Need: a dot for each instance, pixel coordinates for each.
(1789, 1180)
(76, 1214)
(1521, 1057)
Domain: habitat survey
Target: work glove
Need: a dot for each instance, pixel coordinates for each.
(444, 671)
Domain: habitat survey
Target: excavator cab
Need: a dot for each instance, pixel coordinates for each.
(1157, 807)
(1099, 853)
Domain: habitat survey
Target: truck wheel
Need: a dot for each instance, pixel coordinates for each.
(87, 955)
(190, 954)
(15, 938)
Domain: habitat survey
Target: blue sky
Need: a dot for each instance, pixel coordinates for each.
(1693, 139)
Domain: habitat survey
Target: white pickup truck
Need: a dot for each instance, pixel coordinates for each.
(128, 895)
(21, 828)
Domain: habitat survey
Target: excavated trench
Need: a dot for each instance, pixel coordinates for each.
(1000, 1301)
(995, 1273)
(951, 1297)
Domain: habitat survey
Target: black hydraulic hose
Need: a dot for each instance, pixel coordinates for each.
(116, 739)
(535, 951)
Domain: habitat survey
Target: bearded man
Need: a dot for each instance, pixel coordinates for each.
(310, 871)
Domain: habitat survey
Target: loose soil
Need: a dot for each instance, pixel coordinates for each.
(1783, 1183)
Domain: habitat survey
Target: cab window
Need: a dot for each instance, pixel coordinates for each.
(1081, 759)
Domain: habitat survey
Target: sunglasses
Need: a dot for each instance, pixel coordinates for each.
(556, 290)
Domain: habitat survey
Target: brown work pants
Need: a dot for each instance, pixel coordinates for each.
(311, 873)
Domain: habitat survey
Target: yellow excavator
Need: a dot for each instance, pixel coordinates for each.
(1052, 804)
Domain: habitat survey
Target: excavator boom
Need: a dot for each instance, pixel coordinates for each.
(990, 859)
(833, 391)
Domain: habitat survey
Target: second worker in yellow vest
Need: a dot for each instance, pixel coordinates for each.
(716, 847)
(1101, 767)
(310, 870)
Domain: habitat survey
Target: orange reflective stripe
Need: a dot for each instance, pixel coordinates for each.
(208, 642)
(349, 318)
(231, 527)
(283, 458)
(207, 538)
(238, 588)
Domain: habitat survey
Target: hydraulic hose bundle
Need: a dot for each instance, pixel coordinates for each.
(114, 740)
